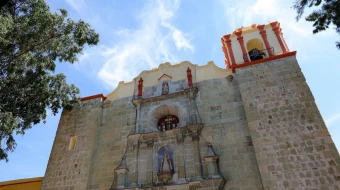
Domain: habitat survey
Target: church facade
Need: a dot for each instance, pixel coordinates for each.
(252, 125)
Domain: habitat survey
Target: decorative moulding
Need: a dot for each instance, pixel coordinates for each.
(165, 77)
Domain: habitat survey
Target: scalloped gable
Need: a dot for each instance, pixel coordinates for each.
(176, 72)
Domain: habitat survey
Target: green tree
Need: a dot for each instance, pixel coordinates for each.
(327, 14)
(32, 39)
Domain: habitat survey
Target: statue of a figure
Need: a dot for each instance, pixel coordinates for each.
(166, 164)
(165, 88)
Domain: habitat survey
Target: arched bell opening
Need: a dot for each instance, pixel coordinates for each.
(255, 49)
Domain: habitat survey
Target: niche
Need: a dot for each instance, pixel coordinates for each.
(73, 141)
(255, 49)
(165, 164)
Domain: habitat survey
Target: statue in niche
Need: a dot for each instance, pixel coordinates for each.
(165, 88)
(166, 170)
(166, 164)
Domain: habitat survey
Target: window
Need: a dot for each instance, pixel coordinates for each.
(167, 123)
(73, 141)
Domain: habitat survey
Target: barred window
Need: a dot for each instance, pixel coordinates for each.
(168, 122)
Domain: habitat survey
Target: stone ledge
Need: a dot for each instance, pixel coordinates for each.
(139, 100)
(193, 129)
(205, 184)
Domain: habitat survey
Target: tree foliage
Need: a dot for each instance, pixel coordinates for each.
(32, 39)
(329, 13)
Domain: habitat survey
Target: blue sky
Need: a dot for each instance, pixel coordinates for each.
(139, 35)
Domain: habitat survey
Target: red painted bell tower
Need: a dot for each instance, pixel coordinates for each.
(254, 44)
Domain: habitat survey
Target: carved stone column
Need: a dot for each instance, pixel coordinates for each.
(180, 158)
(138, 103)
(226, 57)
(230, 50)
(191, 94)
(265, 40)
(142, 163)
(243, 48)
(276, 29)
(145, 160)
(133, 139)
(197, 158)
(149, 162)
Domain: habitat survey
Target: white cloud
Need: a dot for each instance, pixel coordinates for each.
(25, 144)
(77, 5)
(298, 35)
(91, 60)
(250, 12)
(330, 121)
(155, 40)
(109, 51)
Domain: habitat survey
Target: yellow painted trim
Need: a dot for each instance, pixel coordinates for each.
(176, 72)
(249, 29)
(267, 26)
(21, 181)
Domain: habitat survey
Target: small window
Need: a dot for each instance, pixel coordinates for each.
(73, 141)
(168, 122)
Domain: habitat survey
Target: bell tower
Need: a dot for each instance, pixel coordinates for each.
(256, 42)
(292, 145)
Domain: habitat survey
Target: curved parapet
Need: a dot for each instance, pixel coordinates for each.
(211, 71)
(124, 89)
(176, 74)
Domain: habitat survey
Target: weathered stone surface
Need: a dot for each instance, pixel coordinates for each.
(288, 133)
(264, 128)
(71, 169)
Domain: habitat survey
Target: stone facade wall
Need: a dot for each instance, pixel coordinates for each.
(219, 101)
(70, 169)
(221, 110)
(117, 122)
(292, 145)
(263, 125)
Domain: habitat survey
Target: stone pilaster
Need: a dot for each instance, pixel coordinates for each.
(142, 163)
(180, 158)
(138, 105)
(149, 162)
(191, 94)
(134, 166)
(197, 158)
